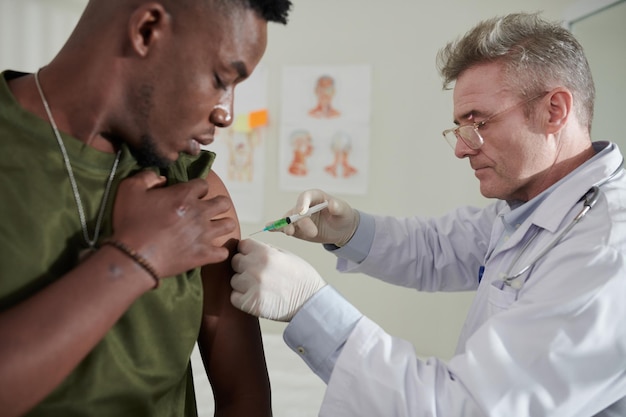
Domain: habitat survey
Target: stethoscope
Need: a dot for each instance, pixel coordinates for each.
(589, 200)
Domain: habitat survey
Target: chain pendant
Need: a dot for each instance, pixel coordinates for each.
(85, 253)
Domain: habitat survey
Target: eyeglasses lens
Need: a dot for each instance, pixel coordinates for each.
(465, 133)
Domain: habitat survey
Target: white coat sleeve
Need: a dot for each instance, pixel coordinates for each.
(380, 375)
(438, 254)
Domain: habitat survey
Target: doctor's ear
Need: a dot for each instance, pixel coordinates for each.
(559, 109)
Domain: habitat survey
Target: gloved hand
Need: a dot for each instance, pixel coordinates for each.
(335, 224)
(271, 283)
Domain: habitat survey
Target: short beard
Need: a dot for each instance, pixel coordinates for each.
(147, 155)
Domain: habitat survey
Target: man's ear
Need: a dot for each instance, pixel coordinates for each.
(147, 24)
(560, 109)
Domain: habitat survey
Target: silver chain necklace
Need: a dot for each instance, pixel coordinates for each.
(91, 242)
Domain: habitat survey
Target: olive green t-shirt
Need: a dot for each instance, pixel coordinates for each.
(141, 367)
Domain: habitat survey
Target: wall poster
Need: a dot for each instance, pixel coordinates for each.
(324, 131)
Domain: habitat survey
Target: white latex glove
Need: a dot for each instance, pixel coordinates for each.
(271, 283)
(335, 224)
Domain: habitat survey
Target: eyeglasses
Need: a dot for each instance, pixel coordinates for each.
(469, 134)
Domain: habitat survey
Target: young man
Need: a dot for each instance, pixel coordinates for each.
(545, 335)
(105, 287)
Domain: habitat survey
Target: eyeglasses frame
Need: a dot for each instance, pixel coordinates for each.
(477, 125)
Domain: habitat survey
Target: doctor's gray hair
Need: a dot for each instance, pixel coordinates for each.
(536, 55)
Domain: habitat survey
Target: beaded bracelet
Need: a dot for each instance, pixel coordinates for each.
(140, 260)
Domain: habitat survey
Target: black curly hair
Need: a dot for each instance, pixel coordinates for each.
(270, 10)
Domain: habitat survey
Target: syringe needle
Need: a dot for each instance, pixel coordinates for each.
(279, 224)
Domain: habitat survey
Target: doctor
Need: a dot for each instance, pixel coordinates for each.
(545, 335)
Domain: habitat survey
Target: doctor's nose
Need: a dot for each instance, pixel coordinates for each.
(461, 150)
(222, 115)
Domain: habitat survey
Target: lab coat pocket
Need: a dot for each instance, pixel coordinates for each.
(501, 296)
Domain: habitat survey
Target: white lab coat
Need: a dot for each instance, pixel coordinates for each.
(556, 347)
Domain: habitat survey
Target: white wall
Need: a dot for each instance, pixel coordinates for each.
(601, 31)
(32, 31)
(412, 170)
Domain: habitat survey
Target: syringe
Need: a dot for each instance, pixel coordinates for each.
(279, 224)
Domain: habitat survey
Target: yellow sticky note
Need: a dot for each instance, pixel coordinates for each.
(241, 124)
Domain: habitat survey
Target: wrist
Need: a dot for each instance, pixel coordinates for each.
(351, 229)
(136, 257)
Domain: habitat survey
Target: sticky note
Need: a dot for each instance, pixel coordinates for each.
(258, 118)
(241, 123)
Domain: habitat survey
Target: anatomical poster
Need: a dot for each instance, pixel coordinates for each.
(325, 128)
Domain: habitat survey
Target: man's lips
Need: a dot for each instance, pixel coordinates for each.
(204, 140)
(476, 166)
(479, 168)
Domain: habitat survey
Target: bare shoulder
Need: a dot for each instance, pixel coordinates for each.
(216, 185)
(218, 188)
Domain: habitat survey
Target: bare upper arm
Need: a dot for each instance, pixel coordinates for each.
(230, 340)
(216, 277)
